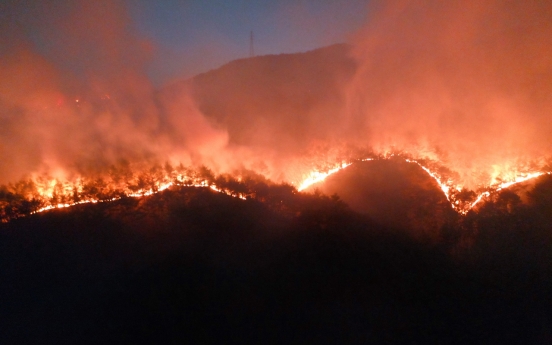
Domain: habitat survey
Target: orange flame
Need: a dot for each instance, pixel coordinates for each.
(46, 191)
(54, 194)
(448, 187)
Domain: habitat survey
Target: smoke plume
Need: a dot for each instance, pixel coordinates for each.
(75, 96)
(467, 82)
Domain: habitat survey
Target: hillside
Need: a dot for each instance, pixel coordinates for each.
(277, 101)
(191, 265)
(393, 192)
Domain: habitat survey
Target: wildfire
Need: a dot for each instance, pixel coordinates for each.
(316, 176)
(43, 194)
(447, 185)
(233, 194)
(519, 179)
(143, 193)
(40, 194)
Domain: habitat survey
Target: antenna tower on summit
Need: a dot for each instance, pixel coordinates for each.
(251, 50)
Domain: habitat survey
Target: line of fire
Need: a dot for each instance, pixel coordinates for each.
(40, 194)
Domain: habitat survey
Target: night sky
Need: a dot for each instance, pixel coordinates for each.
(188, 37)
(195, 36)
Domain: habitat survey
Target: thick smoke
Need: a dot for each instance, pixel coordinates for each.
(76, 99)
(75, 96)
(467, 82)
(464, 82)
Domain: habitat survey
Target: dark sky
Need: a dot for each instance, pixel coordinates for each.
(187, 37)
(195, 36)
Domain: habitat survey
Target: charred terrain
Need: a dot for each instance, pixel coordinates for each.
(190, 265)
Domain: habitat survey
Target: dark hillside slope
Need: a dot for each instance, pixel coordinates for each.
(189, 265)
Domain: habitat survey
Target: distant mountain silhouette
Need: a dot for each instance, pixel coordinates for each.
(276, 100)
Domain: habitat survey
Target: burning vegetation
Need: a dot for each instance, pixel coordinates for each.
(41, 194)
(467, 104)
(35, 195)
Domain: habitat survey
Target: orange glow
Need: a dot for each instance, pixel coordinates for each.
(51, 193)
(447, 186)
(181, 181)
(519, 179)
(317, 176)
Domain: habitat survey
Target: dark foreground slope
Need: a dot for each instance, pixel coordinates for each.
(193, 266)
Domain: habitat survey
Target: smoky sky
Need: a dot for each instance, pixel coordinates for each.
(470, 81)
(75, 95)
(464, 82)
